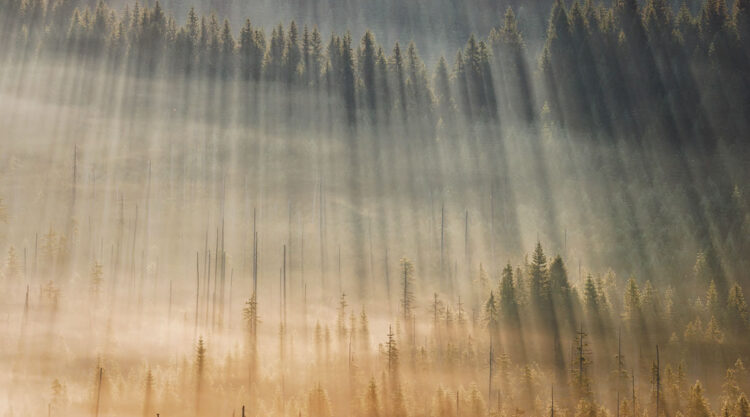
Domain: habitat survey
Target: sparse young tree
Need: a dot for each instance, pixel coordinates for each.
(200, 369)
(318, 404)
(148, 394)
(371, 404)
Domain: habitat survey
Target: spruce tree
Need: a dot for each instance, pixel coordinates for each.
(407, 289)
(367, 70)
(318, 404)
(293, 55)
(739, 316)
(442, 88)
(539, 279)
(508, 298)
(227, 51)
(697, 404)
(348, 80)
(371, 406)
(399, 79)
(200, 369)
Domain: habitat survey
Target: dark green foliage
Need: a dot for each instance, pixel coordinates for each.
(624, 70)
(539, 279)
(508, 299)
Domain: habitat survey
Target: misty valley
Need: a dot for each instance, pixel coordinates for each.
(375, 209)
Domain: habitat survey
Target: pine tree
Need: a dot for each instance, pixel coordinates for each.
(731, 387)
(383, 83)
(713, 18)
(398, 406)
(364, 331)
(558, 277)
(418, 90)
(628, 17)
(591, 295)
(274, 60)
(200, 369)
(491, 314)
(443, 404)
(318, 404)
(539, 280)
(251, 319)
(739, 317)
(151, 36)
(398, 73)
(697, 404)
(371, 406)
(192, 26)
(580, 367)
(442, 88)
(341, 318)
(293, 55)
(258, 52)
(213, 47)
(227, 51)
(508, 298)
(246, 50)
(742, 409)
(316, 57)
(460, 77)
(147, 397)
(475, 403)
(650, 302)
(687, 26)
(741, 20)
(367, 59)
(407, 289)
(392, 354)
(713, 332)
(348, 79)
(632, 301)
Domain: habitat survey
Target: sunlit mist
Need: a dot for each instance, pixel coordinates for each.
(374, 208)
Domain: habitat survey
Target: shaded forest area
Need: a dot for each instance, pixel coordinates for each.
(619, 71)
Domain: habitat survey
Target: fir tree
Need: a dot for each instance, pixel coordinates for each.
(539, 279)
(318, 404)
(738, 314)
(508, 298)
(407, 289)
(371, 406)
(697, 404)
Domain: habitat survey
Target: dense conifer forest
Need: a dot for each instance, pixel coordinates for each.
(544, 213)
(625, 69)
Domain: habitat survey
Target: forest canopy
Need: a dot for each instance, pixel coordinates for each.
(627, 69)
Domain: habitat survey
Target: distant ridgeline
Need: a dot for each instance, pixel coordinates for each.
(623, 70)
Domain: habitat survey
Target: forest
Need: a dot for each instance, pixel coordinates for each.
(624, 70)
(433, 208)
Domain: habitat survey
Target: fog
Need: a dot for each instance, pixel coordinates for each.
(180, 243)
